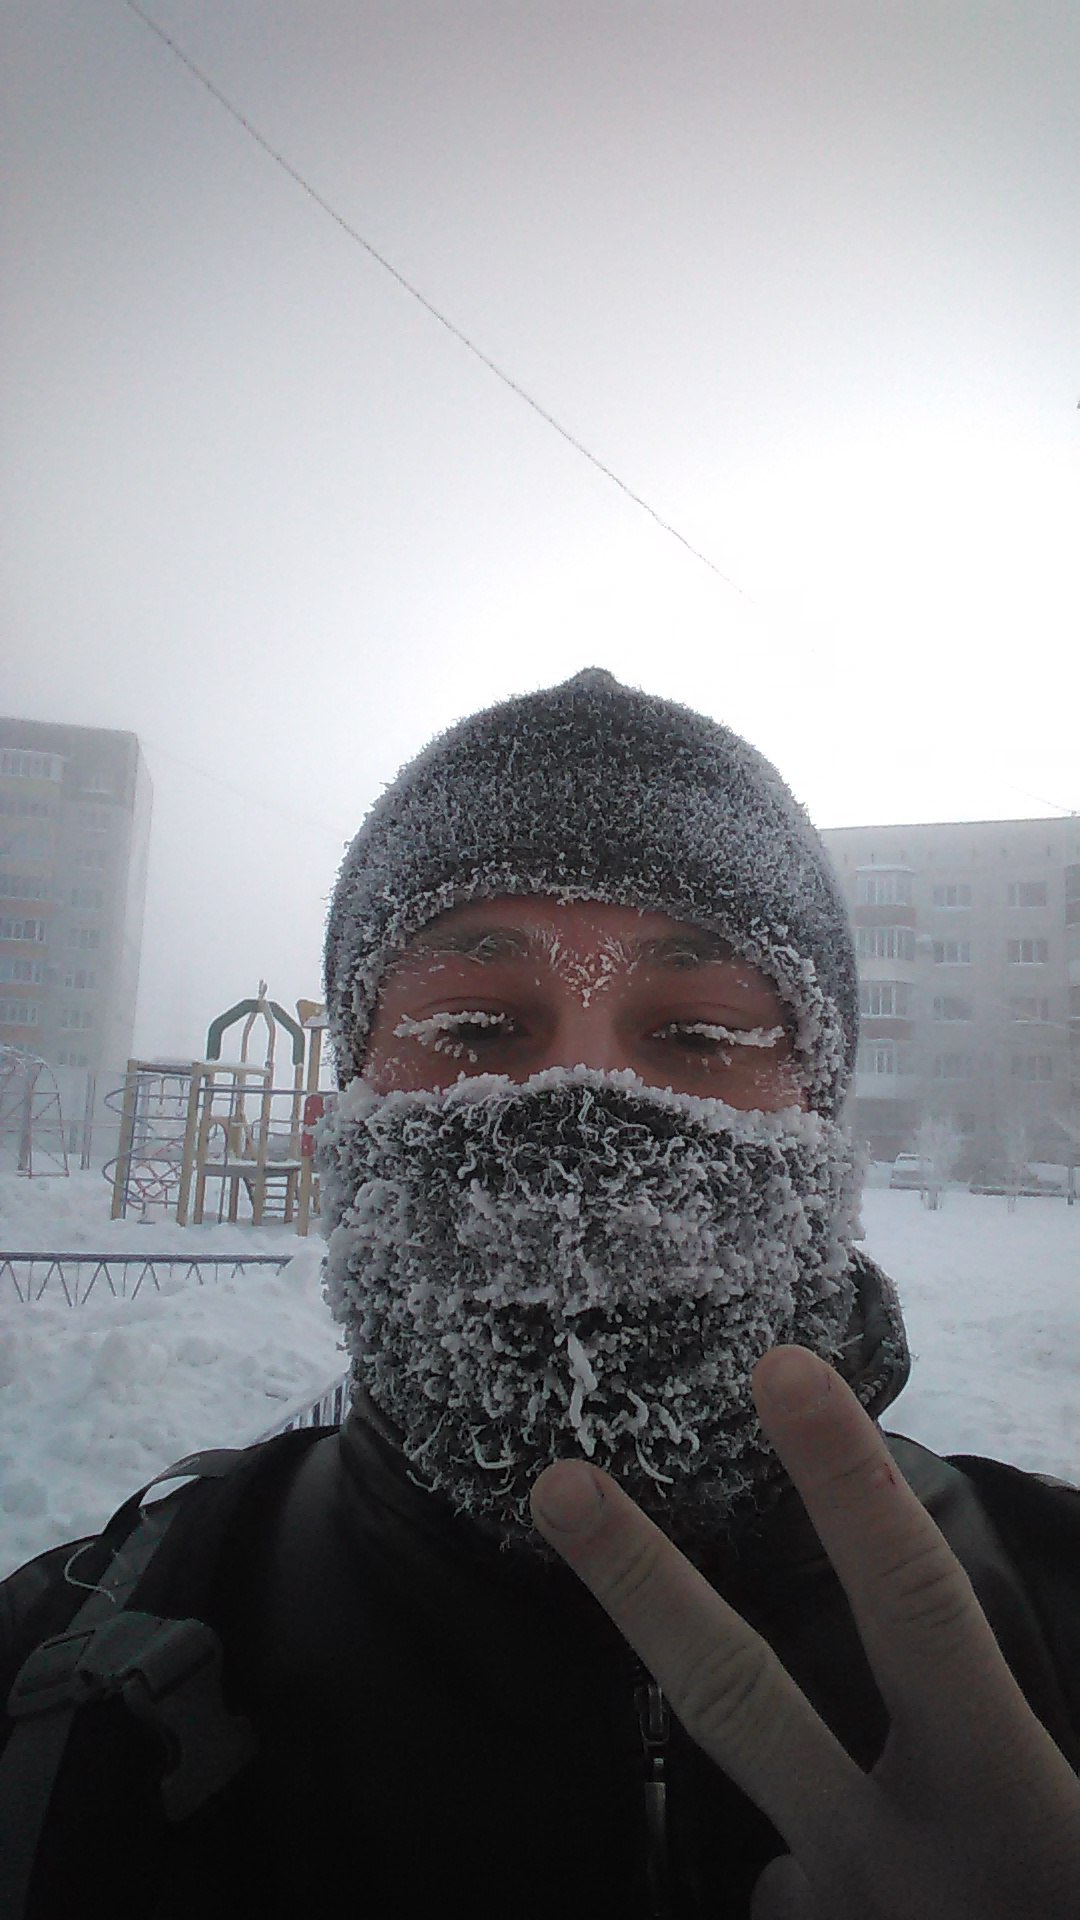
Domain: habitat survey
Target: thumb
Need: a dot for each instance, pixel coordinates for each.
(783, 1893)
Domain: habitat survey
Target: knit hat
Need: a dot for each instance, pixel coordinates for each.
(596, 791)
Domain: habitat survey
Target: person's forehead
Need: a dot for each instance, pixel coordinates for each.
(536, 928)
(538, 920)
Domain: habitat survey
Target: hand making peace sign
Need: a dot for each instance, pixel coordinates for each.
(972, 1812)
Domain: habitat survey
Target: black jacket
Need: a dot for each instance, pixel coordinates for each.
(446, 1726)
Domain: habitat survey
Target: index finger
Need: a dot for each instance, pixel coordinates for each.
(724, 1682)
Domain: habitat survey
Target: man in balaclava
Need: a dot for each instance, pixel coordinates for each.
(592, 995)
(573, 1260)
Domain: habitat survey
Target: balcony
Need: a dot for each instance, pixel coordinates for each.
(884, 967)
(874, 914)
(887, 1086)
(886, 1026)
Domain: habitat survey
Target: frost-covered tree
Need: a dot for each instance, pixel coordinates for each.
(939, 1145)
(1016, 1137)
(1067, 1119)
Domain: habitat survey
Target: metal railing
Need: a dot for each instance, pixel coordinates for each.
(79, 1273)
(328, 1409)
(30, 1274)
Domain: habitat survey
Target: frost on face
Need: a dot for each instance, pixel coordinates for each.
(732, 1037)
(592, 791)
(442, 1032)
(582, 1264)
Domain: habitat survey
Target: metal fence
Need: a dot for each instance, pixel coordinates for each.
(328, 1409)
(77, 1274)
(124, 1274)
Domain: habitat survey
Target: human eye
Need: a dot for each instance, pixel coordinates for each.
(456, 1034)
(712, 1037)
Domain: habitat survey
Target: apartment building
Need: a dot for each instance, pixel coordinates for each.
(968, 939)
(75, 805)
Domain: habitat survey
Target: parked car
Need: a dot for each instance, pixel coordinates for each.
(909, 1171)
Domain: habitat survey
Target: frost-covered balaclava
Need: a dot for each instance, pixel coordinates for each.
(583, 1262)
(594, 791)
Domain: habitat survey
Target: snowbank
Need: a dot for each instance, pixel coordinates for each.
(97, 1399)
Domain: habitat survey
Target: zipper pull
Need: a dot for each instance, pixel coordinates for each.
(654, 1722)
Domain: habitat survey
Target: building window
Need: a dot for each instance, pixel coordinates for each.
(884, 889)
(67, 1057)
(1027, 893)
(952, 953)
(95, 858)
(885, 999)
(26, 973)
(950, 1006)
(885, 943)
(953, 1066)
(22, 929)
(18, 1013)
(85, 937)
(77, 1019)
(1029, 1006)
(952, 896)
(91, 897)
(82, 980)
(884, 1057)
(25, 806)
(23, 886)
(1028, 953)
(30, 843)
(30, 766)
(96, 780)
(95, 819)
(877, 1056)
(1032, 1066)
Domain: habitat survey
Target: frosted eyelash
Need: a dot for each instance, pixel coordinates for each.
(439, 1030)
(736, 1037)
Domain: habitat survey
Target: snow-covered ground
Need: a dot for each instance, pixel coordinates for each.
(96, 1399)
(991, 1302)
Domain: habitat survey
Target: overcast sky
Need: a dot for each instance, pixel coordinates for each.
(805, 275)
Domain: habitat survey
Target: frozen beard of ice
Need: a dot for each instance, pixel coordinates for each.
(582, 1265)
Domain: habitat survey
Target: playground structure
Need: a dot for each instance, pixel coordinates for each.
(152, 1105)
(31, 1117)
(185, 1125)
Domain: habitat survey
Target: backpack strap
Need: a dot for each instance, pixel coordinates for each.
(168, 1673)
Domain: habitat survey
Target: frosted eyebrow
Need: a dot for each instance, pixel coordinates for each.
(491, 944)
(681, 950)
(479, 943)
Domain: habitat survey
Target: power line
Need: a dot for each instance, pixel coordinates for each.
(321, 827)
(1071, 813)
(435, 312)
(464, 340)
